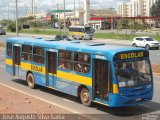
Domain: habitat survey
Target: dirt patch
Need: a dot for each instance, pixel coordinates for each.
(14, 102)
(2, 44)
(156, 68)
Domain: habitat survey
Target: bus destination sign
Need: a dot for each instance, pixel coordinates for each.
(131, 55)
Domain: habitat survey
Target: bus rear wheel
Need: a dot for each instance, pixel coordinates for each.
(30, 81)
(85, 97)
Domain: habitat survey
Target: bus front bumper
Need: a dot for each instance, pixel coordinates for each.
(130, 99)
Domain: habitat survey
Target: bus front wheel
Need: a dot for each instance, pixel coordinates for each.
(85, 97)
(30, 80)
(73, 37)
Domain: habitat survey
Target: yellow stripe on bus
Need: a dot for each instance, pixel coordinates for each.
(115, 88)
(75, 78)
(60, 74)
(76, 33)
(9, 62)
(32, 67)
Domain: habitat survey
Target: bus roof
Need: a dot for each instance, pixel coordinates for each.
(87, 47)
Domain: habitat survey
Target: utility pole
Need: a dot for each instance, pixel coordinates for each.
(8, 9)
(79, 12)
(74, 12)
(64, 17)
(32, 6)
(17, 19)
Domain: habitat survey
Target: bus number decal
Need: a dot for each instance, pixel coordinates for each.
(36, 68)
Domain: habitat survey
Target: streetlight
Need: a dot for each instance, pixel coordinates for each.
(17, 19)
(64, 17)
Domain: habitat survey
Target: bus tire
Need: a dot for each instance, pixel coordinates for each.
(73, 37)
(30, 80)
(85, 97)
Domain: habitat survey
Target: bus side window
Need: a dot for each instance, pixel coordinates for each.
(26, 52)
(9, 49)
(38, 55)
(82, 30)
(65, 60)
(82, 62)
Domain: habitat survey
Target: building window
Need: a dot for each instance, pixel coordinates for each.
(26, 52)
(38, 55)
(9, 49)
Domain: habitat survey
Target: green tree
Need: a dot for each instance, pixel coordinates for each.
(155, 9)
(12, 26)
(6, 22)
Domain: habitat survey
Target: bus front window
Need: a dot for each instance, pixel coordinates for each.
(133, 73)
(89, 30)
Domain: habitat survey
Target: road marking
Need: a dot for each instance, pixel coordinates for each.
(55, 104)
(2, 66)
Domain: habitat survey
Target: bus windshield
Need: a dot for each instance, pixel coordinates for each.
(89, 30)
(133, 73)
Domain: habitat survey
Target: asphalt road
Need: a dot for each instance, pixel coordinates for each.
(154, 54)
(97, 111)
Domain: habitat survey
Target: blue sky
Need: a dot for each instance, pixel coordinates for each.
(7, 7)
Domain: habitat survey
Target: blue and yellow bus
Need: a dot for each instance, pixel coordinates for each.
(107, 74)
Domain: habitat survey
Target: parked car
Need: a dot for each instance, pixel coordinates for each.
(146, 42)
(2, 32)
(62, 37)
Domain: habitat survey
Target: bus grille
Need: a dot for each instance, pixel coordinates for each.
(136, 94)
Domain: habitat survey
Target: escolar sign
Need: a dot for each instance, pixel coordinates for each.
(132, 55)
(36, 68)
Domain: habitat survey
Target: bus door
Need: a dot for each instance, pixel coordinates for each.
(100, 80)
(51, 58)
(16, 60)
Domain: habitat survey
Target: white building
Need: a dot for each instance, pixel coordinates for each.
(135, 8)
(123, 9)
(147, 5)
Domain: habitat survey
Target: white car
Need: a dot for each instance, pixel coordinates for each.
(145, 42)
